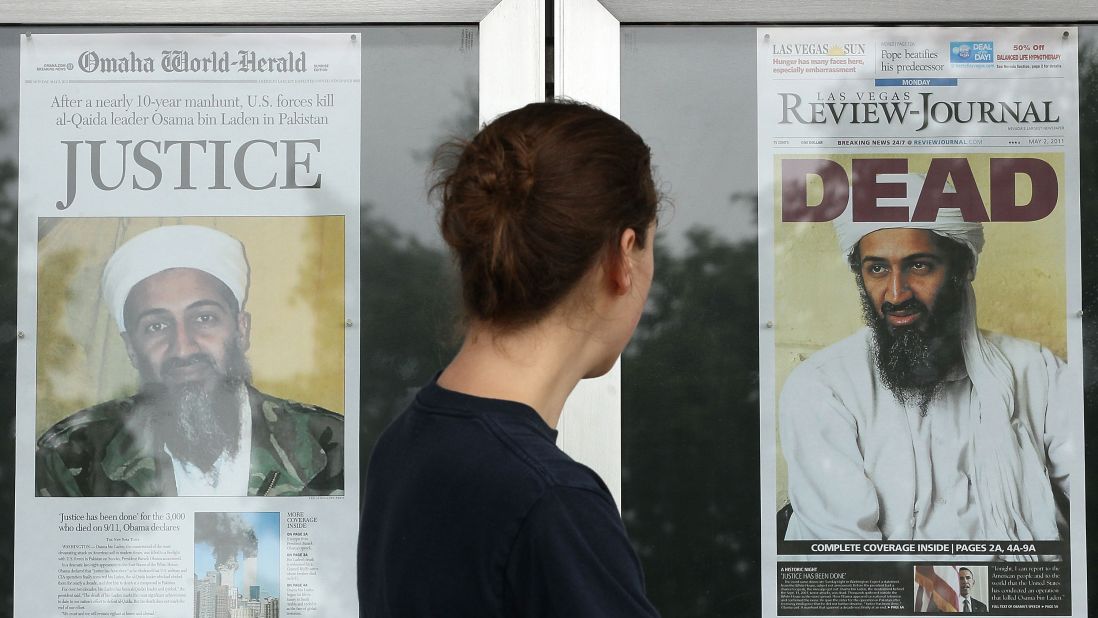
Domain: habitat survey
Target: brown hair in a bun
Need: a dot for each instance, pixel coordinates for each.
(532, 202)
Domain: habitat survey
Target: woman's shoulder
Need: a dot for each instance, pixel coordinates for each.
(486, 443)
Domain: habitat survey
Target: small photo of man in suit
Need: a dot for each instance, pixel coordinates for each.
(969, 605)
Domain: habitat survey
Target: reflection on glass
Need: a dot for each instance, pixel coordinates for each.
(420, 90)
(690, 430)
(409, 307)
(1088, 192)
(9, 91)
(690, 376)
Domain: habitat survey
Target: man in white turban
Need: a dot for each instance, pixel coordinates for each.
(921, 426)
(197, 426)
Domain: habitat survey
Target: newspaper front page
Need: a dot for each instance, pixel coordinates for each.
(187, 395)
(921, 338)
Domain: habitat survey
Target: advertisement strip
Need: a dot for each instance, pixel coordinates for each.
(187, 401)
(921, 343)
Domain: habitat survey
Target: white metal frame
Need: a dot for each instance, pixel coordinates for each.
(70, 12)
(586, 61)
(469, 11)
(850, 11)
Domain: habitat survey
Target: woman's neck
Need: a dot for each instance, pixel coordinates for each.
(539, 365)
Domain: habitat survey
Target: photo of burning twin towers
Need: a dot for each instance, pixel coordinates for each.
(236, 565)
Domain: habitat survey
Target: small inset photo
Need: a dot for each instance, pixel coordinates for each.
(236, 565)
(951, 589)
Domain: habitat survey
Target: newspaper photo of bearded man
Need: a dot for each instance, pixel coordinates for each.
(921, 425)
(197, 424)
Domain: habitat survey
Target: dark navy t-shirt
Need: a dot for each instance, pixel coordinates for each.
(472, 510)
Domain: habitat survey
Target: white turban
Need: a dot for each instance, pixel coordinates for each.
(1008, 459)
(174, 246)
(949, 223)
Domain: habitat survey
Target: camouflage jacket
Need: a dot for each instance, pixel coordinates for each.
(109, 450)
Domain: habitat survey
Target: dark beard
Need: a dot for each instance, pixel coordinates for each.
(913, 362)
(199, 422)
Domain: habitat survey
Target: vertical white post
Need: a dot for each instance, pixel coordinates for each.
(586, 67)
(587, 54)
(512, 57)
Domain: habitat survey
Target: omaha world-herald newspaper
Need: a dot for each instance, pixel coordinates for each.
(921, 341)
(187, 394)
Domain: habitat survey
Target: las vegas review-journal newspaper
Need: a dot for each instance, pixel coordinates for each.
(187, 400)
(920, 336)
